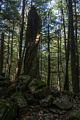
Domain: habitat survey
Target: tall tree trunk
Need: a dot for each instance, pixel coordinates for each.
(76, 39)
(66, 83)
(1, 52)
(67, 50)
(30, 60)
(41, 60)
(67, 53)
(49, 69)
(21, 40)
(8, 54)
(33, 28)
(59, 59)
(64, 26)
(11, 55)
(75, 81)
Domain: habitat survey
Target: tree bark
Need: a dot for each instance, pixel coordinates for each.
(1, 52)
(75, 81)
(21, 40)
(32, 34)
(11, 55)
(49, 68)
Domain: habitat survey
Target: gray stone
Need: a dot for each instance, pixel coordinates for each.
(63, 103)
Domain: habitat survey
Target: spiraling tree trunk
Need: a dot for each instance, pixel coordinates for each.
(32, 39)
(30, 61)
(1, 52)
(75, 81)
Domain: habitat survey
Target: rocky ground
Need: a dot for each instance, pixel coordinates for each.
(60, 108)
(30, 103)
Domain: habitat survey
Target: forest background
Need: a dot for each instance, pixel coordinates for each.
(57, 53)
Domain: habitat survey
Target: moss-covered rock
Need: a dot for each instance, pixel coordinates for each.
(8, 110)
(24, 78)
(62, 103)
(22, 82)
(42, 93)
(75, 115)
(20, 100)
(47, 101)
(37, 85)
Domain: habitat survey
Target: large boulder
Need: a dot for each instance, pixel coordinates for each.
(26, 81)
(62, 103)
(36, 84)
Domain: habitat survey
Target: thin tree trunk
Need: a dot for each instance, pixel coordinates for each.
(41, 59)
(49, 69)
(59, 55)
(62, 12)
(8, 54)
(1, 52)
(11, 56)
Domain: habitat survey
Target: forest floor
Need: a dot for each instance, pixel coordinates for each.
(45, 103)
(52, 108)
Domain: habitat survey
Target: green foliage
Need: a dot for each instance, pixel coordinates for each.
(12, 11)
(40, 2)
